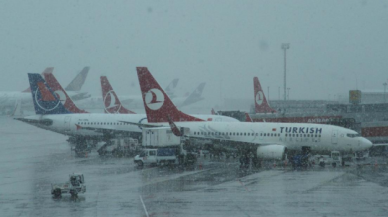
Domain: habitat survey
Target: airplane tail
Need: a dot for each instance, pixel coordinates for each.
(170, 89)
(248, 118)
(47, 70)
(45, 100)
(111, 101)
(261, 104)
(157, 104)
(66, 101)
(213, 112)
(78, 81)
(195, 96)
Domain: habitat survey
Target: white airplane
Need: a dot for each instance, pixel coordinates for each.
(8, 99)
(51, 114)
(265, 140)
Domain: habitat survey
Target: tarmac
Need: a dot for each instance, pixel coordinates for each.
(31, 159)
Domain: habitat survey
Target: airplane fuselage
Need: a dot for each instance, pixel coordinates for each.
(294, 136)
(81, 124)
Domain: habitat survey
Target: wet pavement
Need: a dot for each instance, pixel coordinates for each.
(31, 159)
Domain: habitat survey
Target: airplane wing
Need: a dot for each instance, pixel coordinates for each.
(142, 125)
(45, 122)
(109, 132)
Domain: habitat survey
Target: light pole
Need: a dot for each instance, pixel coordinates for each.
(385, 87)
(285, 46)
(288, 93)
(268, 93)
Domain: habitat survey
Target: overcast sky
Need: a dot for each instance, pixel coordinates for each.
(334, 45)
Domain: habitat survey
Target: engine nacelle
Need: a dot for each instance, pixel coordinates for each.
(270, 152)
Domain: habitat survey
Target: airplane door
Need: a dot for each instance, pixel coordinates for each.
(334, 136)
(67, 122)
(261, 135)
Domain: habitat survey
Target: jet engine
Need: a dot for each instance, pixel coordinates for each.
(270, 152)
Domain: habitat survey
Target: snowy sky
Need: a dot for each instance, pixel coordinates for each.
(334, 45)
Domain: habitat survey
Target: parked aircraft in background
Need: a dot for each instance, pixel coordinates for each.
(264, 112)
(51, 114)
(8, 99)
(112, 104)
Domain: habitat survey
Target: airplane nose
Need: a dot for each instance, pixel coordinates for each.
(366, 143)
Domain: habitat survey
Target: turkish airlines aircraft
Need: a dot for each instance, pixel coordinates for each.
(8, 99)
(264, 112)
(51, 114)
(111, 101)
(266, 140)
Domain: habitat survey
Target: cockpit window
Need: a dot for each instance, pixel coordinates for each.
(353, 135)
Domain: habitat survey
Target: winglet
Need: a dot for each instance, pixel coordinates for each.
(261, 104)
(174, 128)
(248, 118)
(112, 103)
(157, 104)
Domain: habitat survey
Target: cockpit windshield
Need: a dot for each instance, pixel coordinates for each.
(353, 135)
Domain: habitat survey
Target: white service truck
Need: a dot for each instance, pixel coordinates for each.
(334, 159)
(75, 185)
(162, 147)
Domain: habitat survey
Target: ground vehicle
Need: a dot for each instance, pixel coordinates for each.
(334, 159)
(75, 185)
(120, 147)
(161, 156)
(164, 148)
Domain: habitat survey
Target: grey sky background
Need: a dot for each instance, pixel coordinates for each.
(335, 45)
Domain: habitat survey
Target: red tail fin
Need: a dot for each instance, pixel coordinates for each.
(213, 112)
(261, 104)
(61, 94)
(157, 104)
(248, 118)
(111, 101)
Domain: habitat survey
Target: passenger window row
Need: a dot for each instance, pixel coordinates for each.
(236, 134)
(302, 135)
(224, 134)
(102, 123)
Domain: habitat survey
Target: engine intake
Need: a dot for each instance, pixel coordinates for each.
(270, 152)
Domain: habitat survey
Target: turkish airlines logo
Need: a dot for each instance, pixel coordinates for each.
(44, 99)
(154, 99)
(259, 97)
(110, 102)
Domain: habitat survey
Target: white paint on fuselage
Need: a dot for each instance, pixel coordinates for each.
(322, 138)
(67, 123)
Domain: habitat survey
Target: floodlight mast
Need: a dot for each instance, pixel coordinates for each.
(285, 46)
